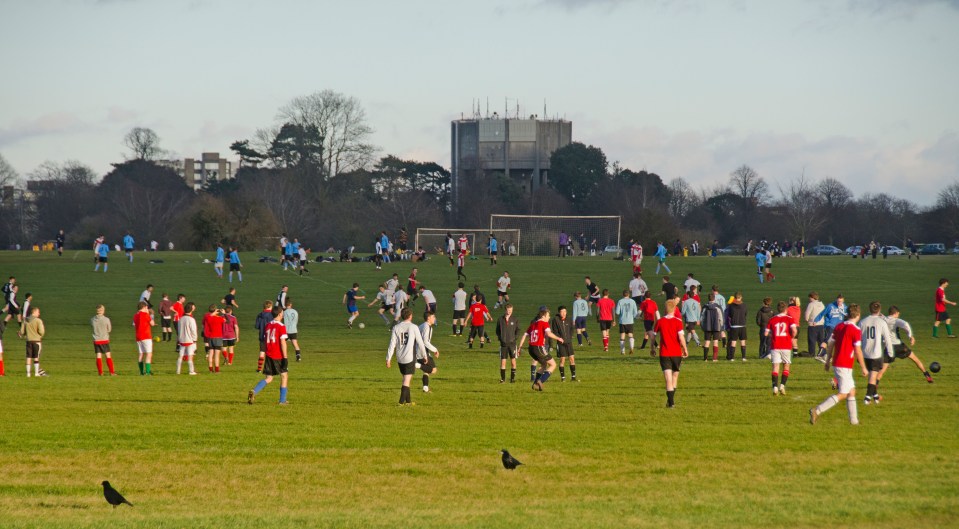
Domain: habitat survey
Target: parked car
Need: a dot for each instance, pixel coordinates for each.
(955, 249)
(825, 249)
(853, 250)
(730, 250)
(613, 249)
(934, 248)
(894, 250)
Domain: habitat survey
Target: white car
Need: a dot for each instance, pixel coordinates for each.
(894, 250)
(613, 249)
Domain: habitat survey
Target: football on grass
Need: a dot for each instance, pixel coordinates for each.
(935, 367)
(362, 326)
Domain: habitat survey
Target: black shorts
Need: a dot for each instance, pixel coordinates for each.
(101, 348)
(428, 365)
(564, 350)
(234, 267)
(690, 325)
(902, 351)
(262, 346)
(737, 334)
(637, 300)
(432, 307)
(493, 253)
(538, 352)
(273, 366)
(580, 322)
(102, 259)
(593, 299)
(459, 314)
(216, 343)
(229, 342)
(648, 325)
(407, 369)
(291, 336)
(13, 311)
(502, 294)
(712, 335)
(671, 363)
(33, 350)
(942, 316)
(625, 328)
(769, 266)
(605, 325)
(873, 364)
(128, 250)
(507, 351)
(165, 321)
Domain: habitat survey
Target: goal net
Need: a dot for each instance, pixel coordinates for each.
(433, 240)
(542, 234)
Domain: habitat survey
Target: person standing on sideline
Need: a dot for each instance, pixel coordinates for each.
(562, 326)
(941, 315)
(186, 338)
(103, 252)
(672, 349)
(537, 332)
(231, 333)
(61, 239)
(406, 343)
(876, 339)
(276, 362)
(604, 309)
(661, 258)
(128, 246)
(781, 330)
(493, 249)
(33, 331)
(580, 312)
(218, 260)
(291, 318)
(763, 315)
(814, 328)
(507, 330)
(844, 348)
(349, 299)
(502, 289)
(142, 323)
(428, 365)
(626, 312)
(101, 339)
(235, 265)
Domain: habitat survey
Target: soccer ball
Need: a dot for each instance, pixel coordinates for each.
(935, 367)
(362, 325)
(156, 339)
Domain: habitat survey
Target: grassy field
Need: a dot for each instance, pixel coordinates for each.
(189, 451)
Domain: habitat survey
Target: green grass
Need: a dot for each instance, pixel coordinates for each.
(189, 451)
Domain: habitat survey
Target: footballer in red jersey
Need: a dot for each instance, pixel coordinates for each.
(142, 322)
(781, 331)
(844, 347)
(276, 362)
(605, 307)
(460, 263)
(479, 315)
(672, 349)
(941, 315)
(636, 255)
(537, 332)
(650, 313)
(213, 336)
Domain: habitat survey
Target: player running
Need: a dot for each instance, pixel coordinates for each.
(672, 349)
(503, 284)
(626, 312)
(407, 343)
(832, 315)
(781, 331)
(235, 265)
(349, 299)
(661, 258)
(844, 348)
(276, 360)
(580, 312)
(875, 338)
(428, 364)
(537, 333)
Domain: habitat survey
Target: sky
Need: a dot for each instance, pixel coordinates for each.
(863, 91)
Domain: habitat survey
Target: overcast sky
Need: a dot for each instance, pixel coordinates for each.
(863, 91)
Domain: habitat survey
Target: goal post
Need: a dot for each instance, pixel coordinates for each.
(433, 240)
(542, 233)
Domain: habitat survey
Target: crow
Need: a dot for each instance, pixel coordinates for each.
(113, 497)
(509, 462)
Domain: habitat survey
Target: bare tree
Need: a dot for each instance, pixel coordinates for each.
(801, 207)
(833, 194)
(748, 185)
(681, 198)
(143, 143)
(948, 204)
(8, 175)
(341, 121)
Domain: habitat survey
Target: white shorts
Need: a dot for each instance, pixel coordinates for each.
(218, 265)
(781, 356)
(145, 346)
(187, 350)
(844, 379)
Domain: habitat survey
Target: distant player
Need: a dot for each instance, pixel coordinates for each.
(142, 324)
(761, 264)
(61, 238)
(101, 340)
(691, 282)
(103, 252)
(832, 315)
(537, 333)
(876, 339)
(672, 349)
(428, 297)
(479, 315)
(460, 263)
(281, 296)
(406, 343)
(450, 247)
(229, 300)
(213, 336)
(814, 329)
(636, 256)
(13, 308)
(763, 315)
(493, 247)
(580, 312)
(386, 304)
(844, 348)
(507, 330)
(503, 284)
(661, 258)
(231, 333)
(33, 331)
(592, 295)
(562, 326)
(901, 350)
(262, 320)
(146, 295)
(638, 288)
(291, 318)
(218, 260)
(459, 310)
(650, 312)
(411, 290)
(668, 290)
(692, 312)
(400, 300)
(166, 317)
(712, 320)
(463, 245)
(187, 336)
(605, 308)
(235, 265)
(349, 299)
(428, 364)
(941, 315)
(128, 246)
(626, 312)
(736, 318)
(781, 331)
(276, 363)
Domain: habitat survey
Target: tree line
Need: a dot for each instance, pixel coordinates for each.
(314, 174)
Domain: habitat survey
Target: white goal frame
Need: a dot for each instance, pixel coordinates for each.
(533, 246)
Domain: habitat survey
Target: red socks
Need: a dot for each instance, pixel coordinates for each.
(110, 366)
(715, 352)
(100, 366)
(1, 369)
(259, 364)
(216, 369)
(605, 342)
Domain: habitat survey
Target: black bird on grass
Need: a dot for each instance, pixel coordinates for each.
(113, 497)
(509, 462)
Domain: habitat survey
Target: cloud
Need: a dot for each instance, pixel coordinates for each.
(914, 171)
(46, 125)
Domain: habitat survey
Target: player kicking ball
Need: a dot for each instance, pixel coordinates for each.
(537, 333)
